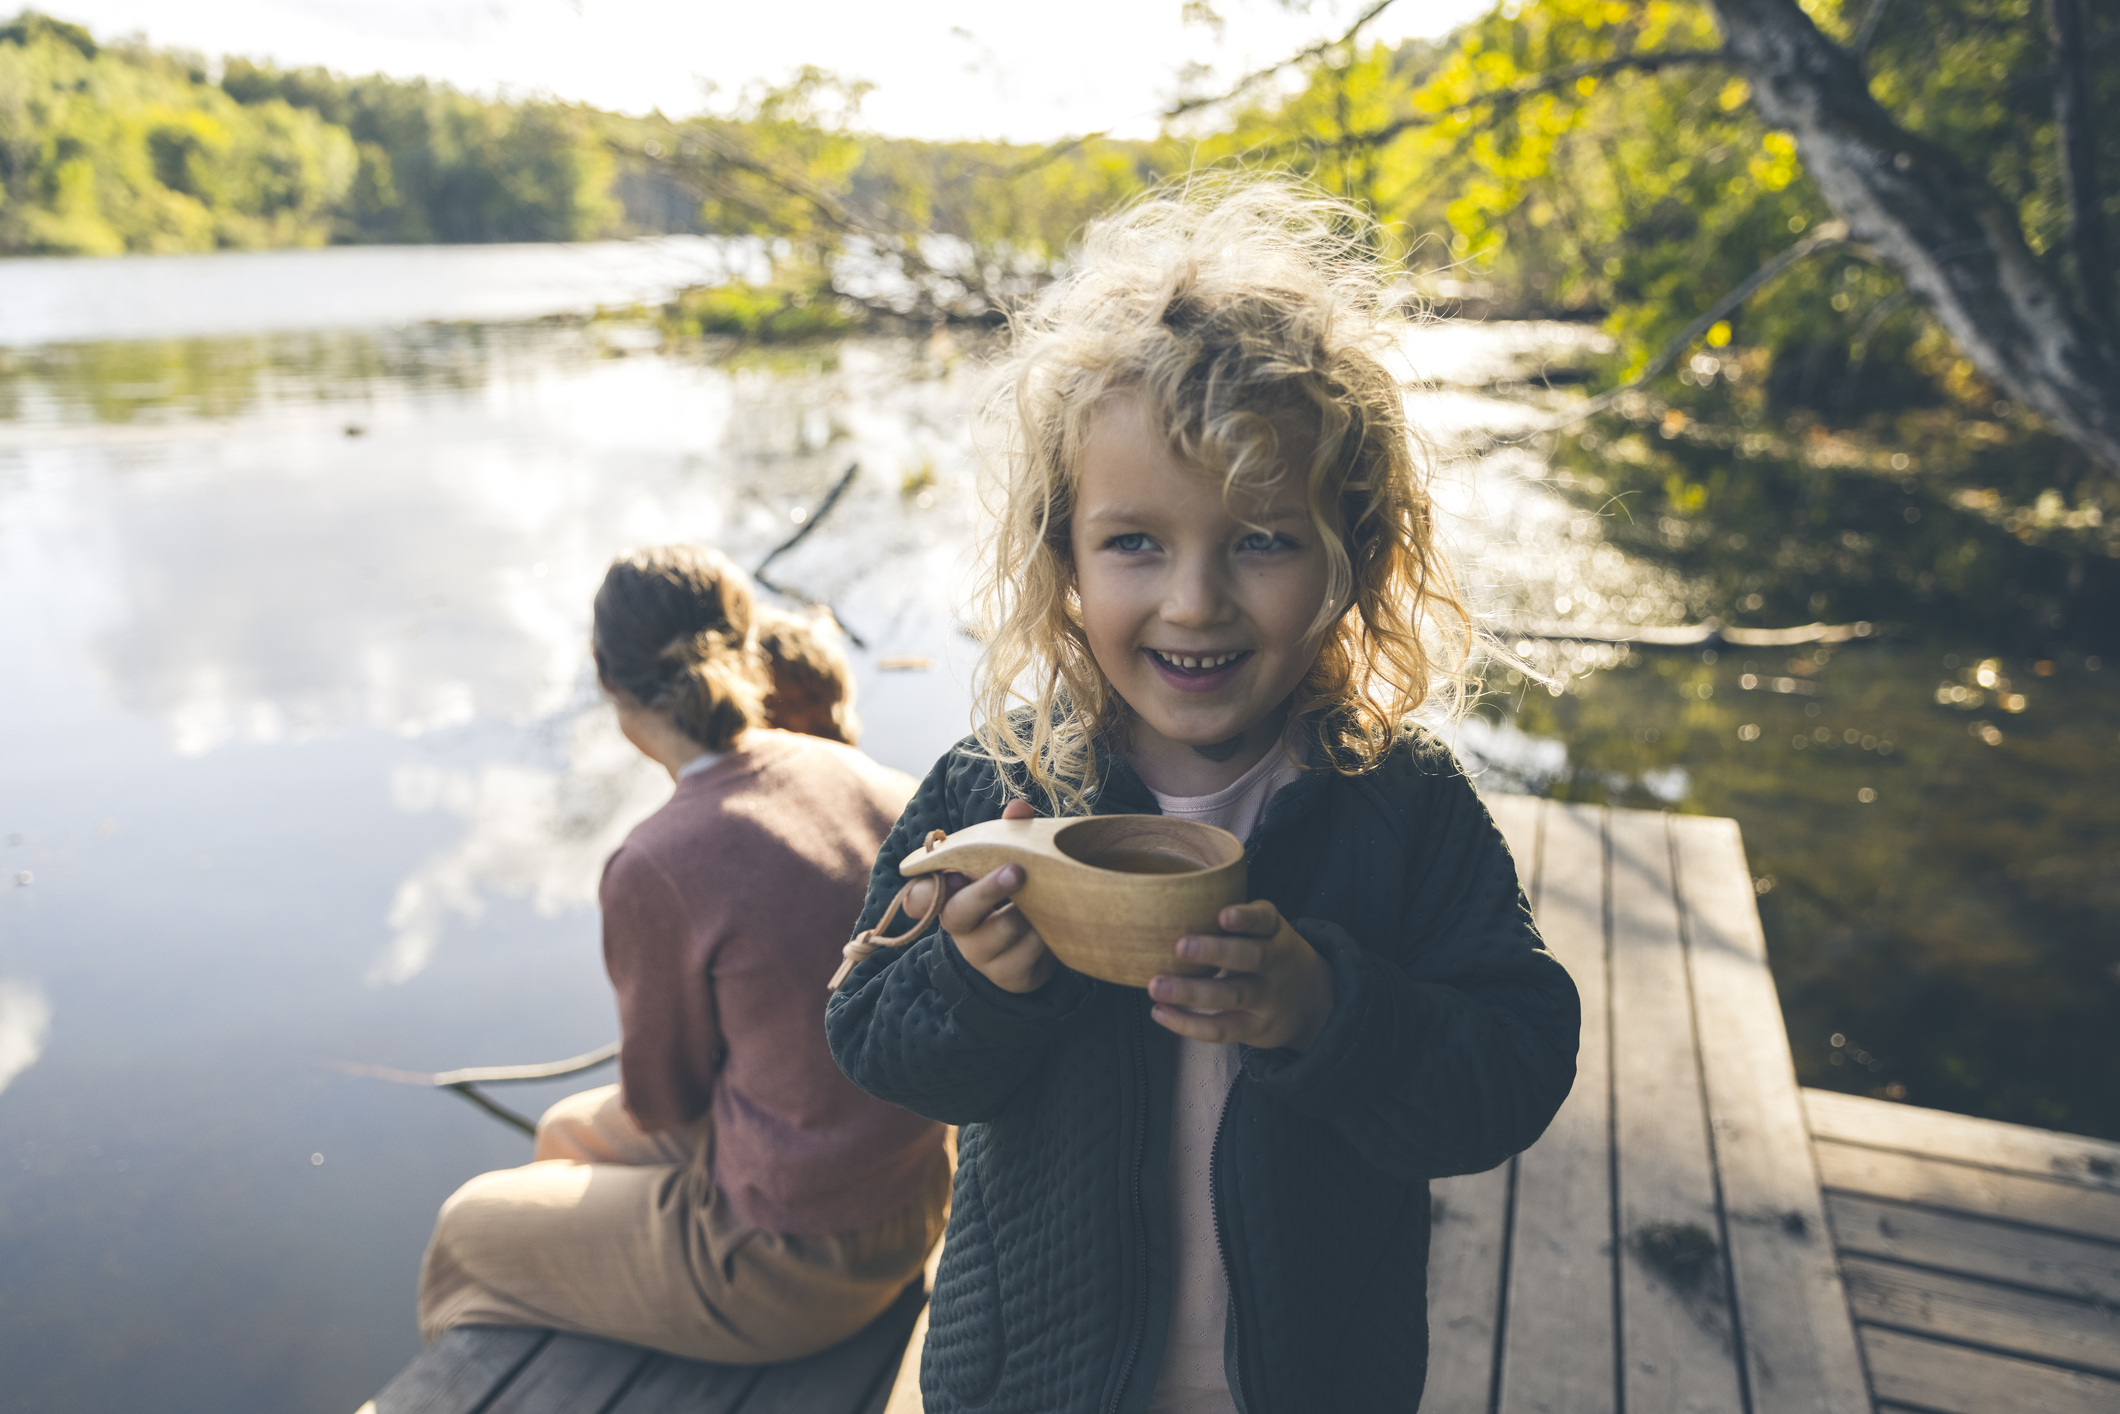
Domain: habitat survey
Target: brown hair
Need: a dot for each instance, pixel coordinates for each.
(674, 632)
(812, 683)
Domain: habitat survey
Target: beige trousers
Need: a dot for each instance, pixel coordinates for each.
(622, 1234)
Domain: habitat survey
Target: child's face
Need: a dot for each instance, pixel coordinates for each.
(1199, 611)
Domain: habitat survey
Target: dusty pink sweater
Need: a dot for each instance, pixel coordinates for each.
(724, 915)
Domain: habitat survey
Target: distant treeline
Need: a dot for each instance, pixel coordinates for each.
(109, 148)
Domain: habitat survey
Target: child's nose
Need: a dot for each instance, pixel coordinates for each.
(1196, 595)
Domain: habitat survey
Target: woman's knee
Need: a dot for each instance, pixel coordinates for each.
(572, 1128)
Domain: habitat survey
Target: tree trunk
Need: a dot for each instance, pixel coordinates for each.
(1950, 235)
(2077, 130)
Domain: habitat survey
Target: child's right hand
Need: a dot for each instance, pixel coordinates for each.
(991, 933)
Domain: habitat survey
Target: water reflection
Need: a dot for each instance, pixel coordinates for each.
(25, 1025)
(1932, 839)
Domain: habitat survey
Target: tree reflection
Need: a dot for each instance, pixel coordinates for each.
(1931, 836)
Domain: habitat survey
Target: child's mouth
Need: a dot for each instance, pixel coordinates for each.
(1196, 672)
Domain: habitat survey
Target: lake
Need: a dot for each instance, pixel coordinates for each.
(303, 764)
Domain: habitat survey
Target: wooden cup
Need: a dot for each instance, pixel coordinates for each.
(1110, 894)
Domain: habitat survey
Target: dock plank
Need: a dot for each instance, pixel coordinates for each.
(459, 1373)
(1967, 1188)
(1558, 1348)
(571, 1372)
(1470, 1213)
(2070, 1266)
(1881, 1124)
(672, 1386)
(1676, 1331)
(1464, 1286)
(850, 1376)
(1949, 1379)
(1798, 1343)
(2037, 1327)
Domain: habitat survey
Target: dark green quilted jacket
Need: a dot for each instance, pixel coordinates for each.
(1450, 1045)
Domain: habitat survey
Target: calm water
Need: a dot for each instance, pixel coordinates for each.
(300, 763)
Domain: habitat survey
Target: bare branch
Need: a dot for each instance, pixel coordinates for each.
(1492, 107)
(1867, 35)
(1259, 76)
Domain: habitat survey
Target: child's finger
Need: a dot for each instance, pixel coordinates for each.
(1237, 954)
(1241, 992)
(1258, 918)
(972, 903)
(923, 889)
(1220, 1030)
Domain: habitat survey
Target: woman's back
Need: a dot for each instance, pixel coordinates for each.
(724, 914)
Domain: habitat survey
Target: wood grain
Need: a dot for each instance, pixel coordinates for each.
(2076, 1267)
(1950, 1379)
(2094, 1163)
(2021, 1323)
(1464, 1287)
(843, 1379)
(573, 1373)
(459, 1372)
(1084, 894)
(1942, 1183)
(1676, 1332)
(1558, 1350)
(1798, 1342)
(672, 1386)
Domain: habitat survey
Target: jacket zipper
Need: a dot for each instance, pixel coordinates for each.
(1133, 1348)
(1214, 1207)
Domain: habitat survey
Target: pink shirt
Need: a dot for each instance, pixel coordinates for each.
(724, 915)
(1192, 1380)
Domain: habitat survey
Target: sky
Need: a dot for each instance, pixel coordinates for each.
(941, 68)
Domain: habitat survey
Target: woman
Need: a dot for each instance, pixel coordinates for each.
(733, 1198)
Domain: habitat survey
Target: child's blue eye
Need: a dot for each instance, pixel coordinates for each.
(1131, 543)
(1265, 540)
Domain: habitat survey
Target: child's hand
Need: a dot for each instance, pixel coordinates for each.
(1274, 990)
(992, 935)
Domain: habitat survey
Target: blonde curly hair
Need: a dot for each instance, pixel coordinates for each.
(1250, 317)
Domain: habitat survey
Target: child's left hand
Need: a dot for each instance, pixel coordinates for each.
(1275, 991)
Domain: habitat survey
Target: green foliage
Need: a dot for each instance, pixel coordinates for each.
(110, 149)
(438, 165)
(104, 150)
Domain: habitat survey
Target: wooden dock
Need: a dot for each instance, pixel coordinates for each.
(1693, 1235)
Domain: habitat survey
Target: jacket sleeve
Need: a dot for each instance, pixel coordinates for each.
(1451, 1047)
(671, 1037)
(918, 1025)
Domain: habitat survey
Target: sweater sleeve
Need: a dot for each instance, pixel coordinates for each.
(1452, 1046)
(918, 1025)
(670, 1039)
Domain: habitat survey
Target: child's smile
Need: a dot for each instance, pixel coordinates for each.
(1202, 612)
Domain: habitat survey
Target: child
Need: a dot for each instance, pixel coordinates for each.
(812, 683)
(1213, 579)
(732, 1198)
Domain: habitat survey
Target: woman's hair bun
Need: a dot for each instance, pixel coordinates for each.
(674, 630)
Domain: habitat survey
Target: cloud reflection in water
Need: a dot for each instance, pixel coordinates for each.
(25, 1027)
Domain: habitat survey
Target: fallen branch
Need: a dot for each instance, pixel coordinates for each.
(1689, 635)
(466, 1081)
